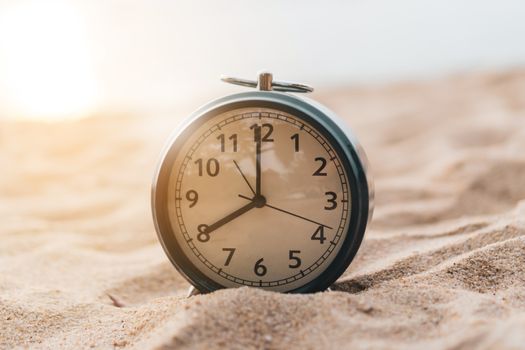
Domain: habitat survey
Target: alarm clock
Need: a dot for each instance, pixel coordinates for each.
(262, 189)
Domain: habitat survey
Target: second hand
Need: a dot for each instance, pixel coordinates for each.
(287, 212)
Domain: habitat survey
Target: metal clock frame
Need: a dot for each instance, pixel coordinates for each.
(325, 122)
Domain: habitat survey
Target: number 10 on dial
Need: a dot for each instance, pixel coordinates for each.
(262, 189)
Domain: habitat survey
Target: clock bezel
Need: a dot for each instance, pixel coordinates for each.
(325, 122)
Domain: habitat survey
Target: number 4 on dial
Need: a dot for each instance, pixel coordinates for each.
(319, 235)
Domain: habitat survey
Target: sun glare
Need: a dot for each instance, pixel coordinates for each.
(45, 61)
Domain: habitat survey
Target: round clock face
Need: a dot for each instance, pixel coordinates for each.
(258, 197)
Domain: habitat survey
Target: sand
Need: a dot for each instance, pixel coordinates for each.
(442, 265)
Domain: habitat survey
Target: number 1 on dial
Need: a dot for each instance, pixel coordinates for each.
(295, 138)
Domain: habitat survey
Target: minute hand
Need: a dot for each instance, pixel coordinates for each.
(231, 216)
(257, 160)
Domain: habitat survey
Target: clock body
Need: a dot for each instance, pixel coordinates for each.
(262, 189)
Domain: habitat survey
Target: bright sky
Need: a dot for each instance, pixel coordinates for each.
(71, 58)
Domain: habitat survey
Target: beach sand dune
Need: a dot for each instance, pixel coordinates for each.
(442, 264)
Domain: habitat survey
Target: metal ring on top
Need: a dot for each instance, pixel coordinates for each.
(266, 83)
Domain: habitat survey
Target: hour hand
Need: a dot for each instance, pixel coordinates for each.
(230, 217)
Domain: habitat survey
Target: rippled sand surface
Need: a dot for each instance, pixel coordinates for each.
(442, 265)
